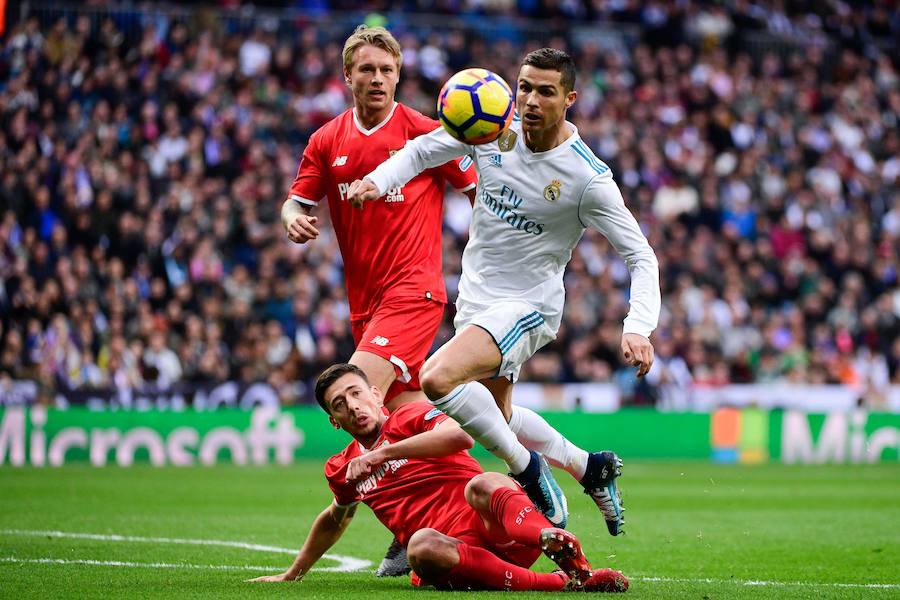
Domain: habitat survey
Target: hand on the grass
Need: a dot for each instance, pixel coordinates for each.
(362, 466)
(286, 576)
(638, 352)
(362, 190)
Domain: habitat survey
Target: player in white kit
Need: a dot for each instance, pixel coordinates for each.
(539, 188)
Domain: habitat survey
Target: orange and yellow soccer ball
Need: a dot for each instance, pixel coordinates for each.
(475, 106)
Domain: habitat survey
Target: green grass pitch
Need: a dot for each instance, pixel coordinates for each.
(694, 530)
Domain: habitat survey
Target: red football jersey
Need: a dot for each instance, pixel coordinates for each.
(392, 247)
(407, 494)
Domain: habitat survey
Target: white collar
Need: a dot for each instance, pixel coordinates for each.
(365, 131)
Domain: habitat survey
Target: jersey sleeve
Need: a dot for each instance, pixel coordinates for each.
(309, 185)
(603, 208)
(424, 152)
(416, 417)
(345, 493)
(460, 174)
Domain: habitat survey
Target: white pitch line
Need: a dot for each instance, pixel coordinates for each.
(119, 563)
(754, 582)
(345, 563)
(154, 540)
(158, 565)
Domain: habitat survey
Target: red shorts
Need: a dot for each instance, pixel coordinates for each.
(470, 529)
(401, 331)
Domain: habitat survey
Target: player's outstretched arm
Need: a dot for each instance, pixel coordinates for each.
(299, 225)
(326, 531)
(603, 208)
(424, 152)
(445, 439)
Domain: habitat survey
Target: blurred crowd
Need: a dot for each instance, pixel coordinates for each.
(142, 172)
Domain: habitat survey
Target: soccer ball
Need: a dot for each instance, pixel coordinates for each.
(475, 106)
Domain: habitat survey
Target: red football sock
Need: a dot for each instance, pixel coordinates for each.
(478, 568)
(521, 521)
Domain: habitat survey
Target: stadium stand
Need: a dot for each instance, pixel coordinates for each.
(145, 153)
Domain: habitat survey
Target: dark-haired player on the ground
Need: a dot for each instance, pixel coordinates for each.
(463, 528)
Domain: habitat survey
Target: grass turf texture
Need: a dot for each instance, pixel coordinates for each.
(694, 530)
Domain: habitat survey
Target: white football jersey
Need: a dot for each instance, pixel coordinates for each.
(531, 208)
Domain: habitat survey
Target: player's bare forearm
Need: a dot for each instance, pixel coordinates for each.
(297, 222)
(290, 210)
(326, 530)
(443, 440)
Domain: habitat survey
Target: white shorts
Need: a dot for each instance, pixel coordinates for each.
(518, 329)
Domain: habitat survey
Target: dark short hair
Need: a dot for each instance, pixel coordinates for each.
(557, 60)
(332, 374)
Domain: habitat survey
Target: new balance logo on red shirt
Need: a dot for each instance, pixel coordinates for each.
(380, 340)
(340, 161)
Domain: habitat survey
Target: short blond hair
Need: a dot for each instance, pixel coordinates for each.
(371, 36)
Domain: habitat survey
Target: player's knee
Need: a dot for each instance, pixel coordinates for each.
(481, 488)
(431, 554)
(435, 380)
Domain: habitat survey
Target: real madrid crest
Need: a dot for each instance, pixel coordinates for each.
(507, 140)
(552, 191)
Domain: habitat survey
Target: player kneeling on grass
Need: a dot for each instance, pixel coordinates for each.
(463, 528)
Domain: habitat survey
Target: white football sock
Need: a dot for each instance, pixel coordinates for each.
(536, 434)
(473, 407)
